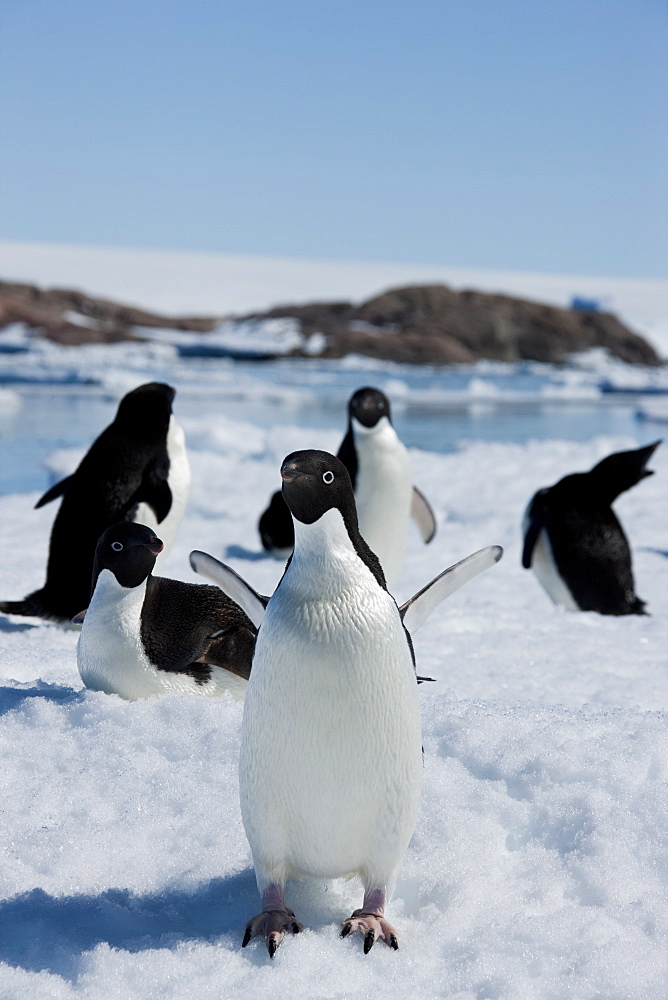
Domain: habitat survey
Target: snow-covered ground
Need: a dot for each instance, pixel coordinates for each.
(539, 867)
(218, 284)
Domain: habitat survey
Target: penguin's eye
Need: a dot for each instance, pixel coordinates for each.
(328, 477)
(117, 546)
(379, 404)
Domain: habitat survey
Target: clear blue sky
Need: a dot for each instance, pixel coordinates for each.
(523, 134)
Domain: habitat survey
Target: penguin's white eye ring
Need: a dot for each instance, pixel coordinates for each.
(328, 477)
(117, 546)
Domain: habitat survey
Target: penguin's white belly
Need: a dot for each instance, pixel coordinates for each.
(383, 495)
(331, 759)
(544, 566)
(179, 484)
(111, 658)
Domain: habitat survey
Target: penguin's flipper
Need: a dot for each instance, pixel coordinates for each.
(348, 455)
(423, 515)
(79, 619)
(57, 490)
(416, 611)
(534, 521)
(232, 649)
(156, 493)
(277, 532)
(231, 584)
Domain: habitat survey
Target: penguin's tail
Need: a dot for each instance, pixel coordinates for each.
(31, 606)
(38, 605)
(28, 606)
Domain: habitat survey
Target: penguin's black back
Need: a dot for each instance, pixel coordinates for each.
(275, 525)
(178, 620)
(593, 557)
(127, 464)
(589, 547)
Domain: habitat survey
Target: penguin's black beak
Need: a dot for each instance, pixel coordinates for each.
(290, 471)
(155, 546)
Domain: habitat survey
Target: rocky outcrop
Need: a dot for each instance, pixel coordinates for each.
(426, 324)
(434, 324)
(71, 317)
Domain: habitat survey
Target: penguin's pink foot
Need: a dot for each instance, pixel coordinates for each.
(272, 925)
(371, 926)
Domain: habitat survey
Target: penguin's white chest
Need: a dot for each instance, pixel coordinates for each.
(179, 484)
(383, 493)
(110, 655)
(545, 568)
(331, 762)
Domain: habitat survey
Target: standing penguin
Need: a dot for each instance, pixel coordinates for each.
(333, 684)
(574, 543)
(143, 634)
(380, 470)
(137, 467)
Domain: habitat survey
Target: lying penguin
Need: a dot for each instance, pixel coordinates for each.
(143, 635)
(380, 470)
(574, 543)
(331, 753)
(136, 470)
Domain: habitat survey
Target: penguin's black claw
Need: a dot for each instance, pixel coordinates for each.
(372, 927)
(272, 925)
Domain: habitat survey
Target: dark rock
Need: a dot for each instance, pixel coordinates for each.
(434, 324)
(425, 324)
(47, 312)
(501, 327)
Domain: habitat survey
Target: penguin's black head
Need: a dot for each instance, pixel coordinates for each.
(622, 470)
(315, 482)
(147, 408)
(368, 405)
(129, 550)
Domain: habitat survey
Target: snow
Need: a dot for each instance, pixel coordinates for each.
(219, 284)
(539, 866)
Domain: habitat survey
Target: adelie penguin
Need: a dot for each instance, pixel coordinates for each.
(574, 543)
(143, 635)
(136, 470)
(380, 470)
(331, 753)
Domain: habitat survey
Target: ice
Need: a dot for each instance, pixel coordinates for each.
(10, 401)
(654, 411)
(538, 868)
(250, 338)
